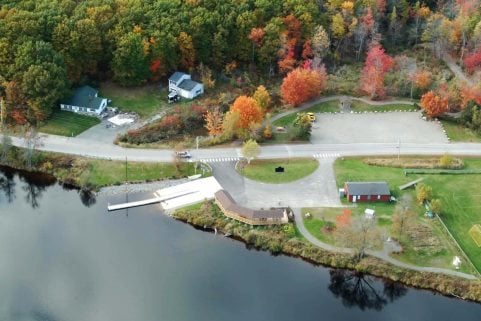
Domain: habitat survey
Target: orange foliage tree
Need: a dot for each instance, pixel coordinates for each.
(344, 219)
(372, 77)
(248, 110)
(433, 104)
(214, 122)
(301, 85)
(470, 93)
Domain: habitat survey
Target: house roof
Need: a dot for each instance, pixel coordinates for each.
(176, 76)
(229, 204)
(188, 84)
(368, 188)
(85, 97)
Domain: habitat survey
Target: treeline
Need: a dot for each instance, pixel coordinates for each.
(46, 46)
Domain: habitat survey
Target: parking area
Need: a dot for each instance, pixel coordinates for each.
(407, 127)
(316, 190)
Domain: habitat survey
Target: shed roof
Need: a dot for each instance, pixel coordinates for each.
(85, 96)
(229, 204)
(176, 76)
(188, 84)
(368, 188)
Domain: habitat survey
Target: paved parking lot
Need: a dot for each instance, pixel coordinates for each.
(408, 127)
(318, 189)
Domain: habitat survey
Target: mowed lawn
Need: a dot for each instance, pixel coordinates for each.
(294, 169)
(145, 101)
(325, 107)
(65, 123)
(458, 133)
(359, 106)
(460, 195)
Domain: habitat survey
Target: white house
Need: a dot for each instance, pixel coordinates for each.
(85, 100)
(182, 84)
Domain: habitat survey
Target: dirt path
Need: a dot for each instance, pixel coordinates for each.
(457, 71)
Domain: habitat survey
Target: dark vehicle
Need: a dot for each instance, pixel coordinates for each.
(173, 97)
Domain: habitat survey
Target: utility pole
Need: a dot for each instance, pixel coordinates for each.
(197, 142)
(398, 148)
(1, 113)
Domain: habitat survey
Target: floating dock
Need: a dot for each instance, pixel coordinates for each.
(149, 201)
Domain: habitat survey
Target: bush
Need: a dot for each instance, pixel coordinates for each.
(446, 161)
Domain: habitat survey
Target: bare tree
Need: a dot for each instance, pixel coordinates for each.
(361, 235)
(32, 142)
(403, 217)
(6, 145)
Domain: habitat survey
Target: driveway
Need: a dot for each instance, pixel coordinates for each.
(318, 189)
(408, 127)
(103, 133)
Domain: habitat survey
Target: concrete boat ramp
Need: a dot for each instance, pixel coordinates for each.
(178, 196)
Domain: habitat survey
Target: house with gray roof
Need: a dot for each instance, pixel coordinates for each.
(246, 215)
(182, 84)
(85, 100)
(367, 191)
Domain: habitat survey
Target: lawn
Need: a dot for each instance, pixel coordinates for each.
(104, 172)
(294, 169)
(359, 106)
(459, 133)
(460, 195)
(145, 101)
(65, 123)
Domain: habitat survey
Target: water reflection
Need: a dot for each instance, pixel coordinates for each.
(357, 289)
(7, 186)
(87, 198)
(35, 185)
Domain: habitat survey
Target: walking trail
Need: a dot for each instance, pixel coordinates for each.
(383, 255)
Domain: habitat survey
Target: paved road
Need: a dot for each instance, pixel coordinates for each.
(379, 254)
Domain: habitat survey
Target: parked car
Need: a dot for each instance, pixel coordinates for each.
(173, 97)
(183, 154)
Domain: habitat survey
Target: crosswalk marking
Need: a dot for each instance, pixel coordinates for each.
(327, 155)
(220, 160)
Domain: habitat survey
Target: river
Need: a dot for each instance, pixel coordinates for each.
(64, 257)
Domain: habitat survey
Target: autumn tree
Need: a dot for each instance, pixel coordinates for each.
(436, 206)
(256, 36)
(262, 97)
(250, 150)
(187, 51)
(229, 124)
(423, 192)
(320, 42)
(301, 85)
(130, 63)
(214, 122)
(248, 110)
(472, 61)
(372, 77)
(434, 105)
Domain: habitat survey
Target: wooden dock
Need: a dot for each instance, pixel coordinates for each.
(411, 183)
(149, 201)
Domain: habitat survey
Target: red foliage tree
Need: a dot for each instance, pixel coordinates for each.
(372, 77)
(470, 93)
(249, 111)
(472, 61)
(256, 35)
(344, 219)
(301, 85)
(434, 105)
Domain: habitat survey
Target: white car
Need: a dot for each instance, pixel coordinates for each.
(183, 154)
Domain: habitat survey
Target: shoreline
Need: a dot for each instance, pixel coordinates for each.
(276, 242)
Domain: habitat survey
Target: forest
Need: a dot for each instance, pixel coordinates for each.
(47, 47)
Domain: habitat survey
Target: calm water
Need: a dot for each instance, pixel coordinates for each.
(63, 257)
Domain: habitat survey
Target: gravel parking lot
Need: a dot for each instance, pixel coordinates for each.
(408, 127)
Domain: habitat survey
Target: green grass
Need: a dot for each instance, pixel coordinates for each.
(359, 106)
(458, 133)
(294, 169)
(145, 101)
(104, 172)
(460, 195)
(65, 123)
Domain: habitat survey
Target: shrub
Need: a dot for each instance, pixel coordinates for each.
(446, 161)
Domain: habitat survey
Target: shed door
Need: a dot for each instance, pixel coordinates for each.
(354, 198)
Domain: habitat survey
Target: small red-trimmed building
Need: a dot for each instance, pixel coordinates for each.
(367, 192)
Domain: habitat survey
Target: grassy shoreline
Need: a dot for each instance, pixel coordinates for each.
(92, 174)
(282, 240)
